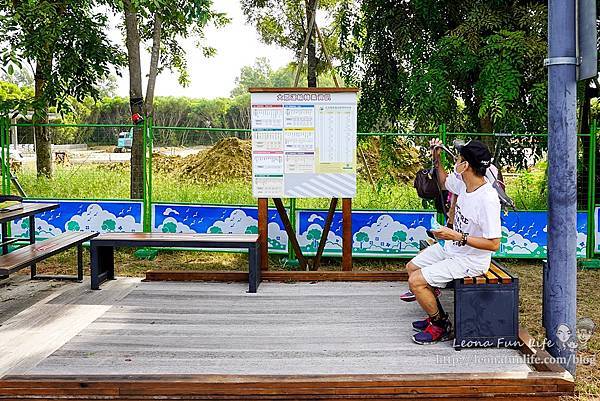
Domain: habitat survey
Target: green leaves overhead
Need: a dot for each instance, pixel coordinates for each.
(476, 65)
(66, 41)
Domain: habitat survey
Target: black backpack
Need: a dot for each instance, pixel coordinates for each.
(428, 188)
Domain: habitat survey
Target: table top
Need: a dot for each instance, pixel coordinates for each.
(28, 209)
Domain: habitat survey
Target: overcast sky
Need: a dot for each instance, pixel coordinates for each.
(237, 45)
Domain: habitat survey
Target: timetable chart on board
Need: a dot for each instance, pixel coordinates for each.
(303, 144)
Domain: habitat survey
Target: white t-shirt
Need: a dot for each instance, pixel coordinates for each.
(478, 214)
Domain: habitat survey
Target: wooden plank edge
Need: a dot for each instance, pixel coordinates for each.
(542, 361)
(282, 276)
(376, 380)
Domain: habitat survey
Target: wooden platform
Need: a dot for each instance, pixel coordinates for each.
(327, 340)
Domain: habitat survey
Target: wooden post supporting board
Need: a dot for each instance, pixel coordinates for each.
(325, 233)
(290, 232)
(263, 232)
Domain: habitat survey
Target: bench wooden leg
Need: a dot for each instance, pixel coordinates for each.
(254, 273)
(32, 241)
(4, 237)
(80, 262)
(102, 265)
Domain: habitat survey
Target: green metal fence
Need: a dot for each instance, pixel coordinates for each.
(149, 130)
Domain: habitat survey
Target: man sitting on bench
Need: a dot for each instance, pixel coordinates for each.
(468, 247)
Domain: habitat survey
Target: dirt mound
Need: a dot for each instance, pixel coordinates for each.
(166, 164)
(230, 158)
(393, 157)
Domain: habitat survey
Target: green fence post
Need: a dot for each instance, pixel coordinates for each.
(591, 226)
(147, 137)
(150, 147)
(4, 129)
(442, 133)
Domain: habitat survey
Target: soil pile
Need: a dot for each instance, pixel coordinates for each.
(393, 158)
(230, 158)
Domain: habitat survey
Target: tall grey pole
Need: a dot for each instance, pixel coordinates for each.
(560, 274)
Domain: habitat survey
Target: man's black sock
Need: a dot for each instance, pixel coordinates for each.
(441, 310)
(439, 318)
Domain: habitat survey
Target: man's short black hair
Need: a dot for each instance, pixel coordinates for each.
(478, 156)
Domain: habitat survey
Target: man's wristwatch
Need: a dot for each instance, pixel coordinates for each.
(463, 241)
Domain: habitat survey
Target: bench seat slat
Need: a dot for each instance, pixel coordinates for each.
(504, 277)
(491, 277)
(33, 253)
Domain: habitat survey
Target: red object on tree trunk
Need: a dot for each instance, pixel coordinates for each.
(137, 118)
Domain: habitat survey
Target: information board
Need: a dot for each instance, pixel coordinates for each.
(303, 142)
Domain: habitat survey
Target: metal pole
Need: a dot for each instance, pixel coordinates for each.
(591, 229)
(150, 145)
(145, 174)
(560, 276)
(2, 146)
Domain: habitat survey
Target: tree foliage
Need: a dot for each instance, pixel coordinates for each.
(67, 43)
(67, 39)
(473, 64)
(285, 23)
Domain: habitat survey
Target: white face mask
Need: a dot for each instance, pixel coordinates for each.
(456, 169)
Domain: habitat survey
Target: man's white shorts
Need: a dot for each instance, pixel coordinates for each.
(439, 268)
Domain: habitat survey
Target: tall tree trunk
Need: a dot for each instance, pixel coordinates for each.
(43, 143)
(153, 65)
(311, 63)
(136, 97)
(485, 124)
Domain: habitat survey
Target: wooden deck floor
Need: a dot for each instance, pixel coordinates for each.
(217, 328)
(132, 328)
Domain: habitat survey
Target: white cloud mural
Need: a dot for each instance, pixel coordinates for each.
(277, 234)
(168, 211)
(314, 217)
(42, 229)
(581, 244)
(170, 225)
(237, 223)
(386, 233)
(516, 244)
(97, 219)
(310, 238)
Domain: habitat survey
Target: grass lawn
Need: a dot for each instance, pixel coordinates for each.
(102, 182)
(93, 181)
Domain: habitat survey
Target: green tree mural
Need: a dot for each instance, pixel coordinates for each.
(314, 235)
(73, 226)
(215, 230)
(109, 225)
(251, 230)
(361, 237)
(399, 237)
(169, 227)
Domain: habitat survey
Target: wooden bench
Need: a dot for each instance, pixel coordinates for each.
(102, 250)
(31, 254)
(486, 308)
